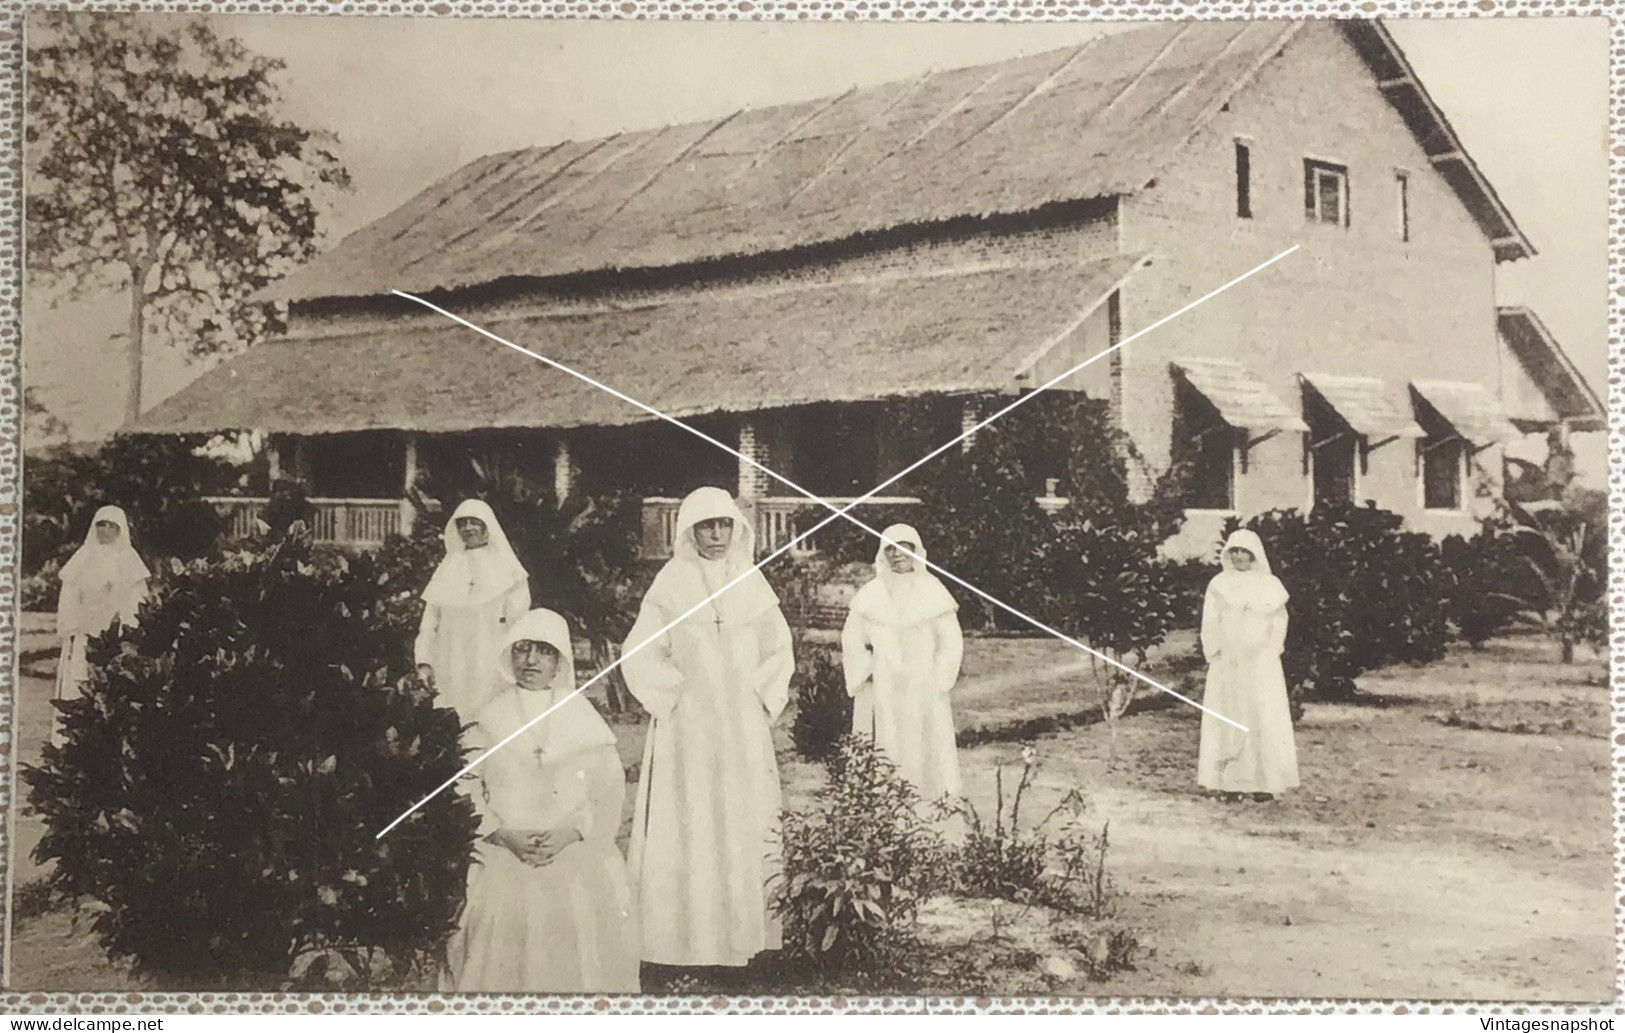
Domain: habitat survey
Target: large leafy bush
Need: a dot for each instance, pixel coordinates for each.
(1481, 578)
(1365, 594)
(224, 776)
(856, 867)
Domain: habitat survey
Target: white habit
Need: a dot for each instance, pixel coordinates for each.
(901, 649)
(473, 598)
(706, 823)
(567, 926)
(101, 585)
(1244, 621)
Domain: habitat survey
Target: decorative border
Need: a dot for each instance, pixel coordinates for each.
(11, 210)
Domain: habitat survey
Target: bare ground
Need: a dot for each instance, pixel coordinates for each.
(1452, 839)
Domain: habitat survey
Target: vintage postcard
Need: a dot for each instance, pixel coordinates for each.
(977, 510)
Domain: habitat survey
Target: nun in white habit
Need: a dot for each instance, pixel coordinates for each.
(103, 584)
(550, 905)
(901, 649)
(1244, 621)
(479, 590)
(706, 819)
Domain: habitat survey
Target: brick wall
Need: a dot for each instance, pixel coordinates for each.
(1354, 301)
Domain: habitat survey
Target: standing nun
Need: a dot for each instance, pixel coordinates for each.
(901, 649)
(479, 590)
(549, 902)
(103, 584)
(706, 822)
(1244, 622)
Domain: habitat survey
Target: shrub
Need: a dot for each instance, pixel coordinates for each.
(823, 707)
(1482, 597)
(856, 867)
(159, 482)
(40, 591)
(1365, 594)
(224, 776)
(1112, 591)
(1188, 581)
(981, 520)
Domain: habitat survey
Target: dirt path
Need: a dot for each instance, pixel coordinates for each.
(1418, 860)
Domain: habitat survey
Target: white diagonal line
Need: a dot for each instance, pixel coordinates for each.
(836, 513)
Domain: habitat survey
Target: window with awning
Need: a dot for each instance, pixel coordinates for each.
(1219, 409)
(1363, 406)
(1464, 410)
(1459, 418)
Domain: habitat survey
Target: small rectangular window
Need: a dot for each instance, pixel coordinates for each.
(1325, 192)
(1206, 446)
(1443, 461)
(1244, 180)
(1402, 181)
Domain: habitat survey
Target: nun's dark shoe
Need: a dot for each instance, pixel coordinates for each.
(1264, 797)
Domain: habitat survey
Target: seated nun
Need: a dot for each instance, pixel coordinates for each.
(550, 906)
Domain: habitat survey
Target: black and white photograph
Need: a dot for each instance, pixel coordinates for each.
(741, 509)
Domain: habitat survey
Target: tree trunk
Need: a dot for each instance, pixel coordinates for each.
(133, 345)
(1568, 650)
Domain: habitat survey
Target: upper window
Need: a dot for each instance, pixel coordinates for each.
(1325, 192)
(1244, 180)
(1402, 187)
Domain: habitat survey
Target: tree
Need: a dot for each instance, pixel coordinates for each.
(159, 167)
(39, 421)
(1563, 549)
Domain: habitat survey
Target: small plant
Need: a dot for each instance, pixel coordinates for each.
(1052, 864)
(856, 867)
(823, 707)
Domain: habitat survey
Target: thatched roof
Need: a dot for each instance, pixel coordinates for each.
(687, 353)
(1566, 389)
(1096, 120)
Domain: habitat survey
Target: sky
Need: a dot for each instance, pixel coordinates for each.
(412, 100)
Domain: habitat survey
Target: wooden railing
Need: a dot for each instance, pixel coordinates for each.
(350, 522)
(777, 521)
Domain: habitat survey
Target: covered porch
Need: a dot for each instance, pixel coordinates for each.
(360, 484)
(836, 383)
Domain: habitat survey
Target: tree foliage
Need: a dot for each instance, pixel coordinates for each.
(159, 165)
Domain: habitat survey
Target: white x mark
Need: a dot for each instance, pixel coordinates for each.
(836, 513)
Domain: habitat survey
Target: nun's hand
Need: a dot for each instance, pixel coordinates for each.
(426, 675)
(551, 843)
(516, 841)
